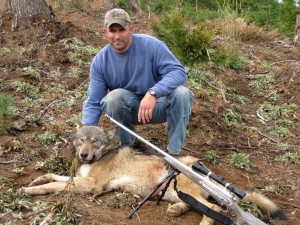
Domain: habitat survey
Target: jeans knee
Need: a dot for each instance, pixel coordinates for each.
(118, 100)
(184, 96)
(113, 100)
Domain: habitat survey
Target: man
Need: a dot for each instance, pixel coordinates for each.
(137, 80)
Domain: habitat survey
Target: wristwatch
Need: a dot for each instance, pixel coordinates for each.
(152, 92)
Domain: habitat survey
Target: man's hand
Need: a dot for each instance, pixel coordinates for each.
(146, 108)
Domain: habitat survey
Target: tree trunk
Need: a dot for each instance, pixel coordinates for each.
(297, 31)
(27, 11)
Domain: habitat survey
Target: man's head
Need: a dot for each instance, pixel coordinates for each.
(118, 16)
(118, 29)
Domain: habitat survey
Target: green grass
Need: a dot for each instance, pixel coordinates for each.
(47, 137)
(7, 110)
(240, 160)
(233, 119)
(292, 157)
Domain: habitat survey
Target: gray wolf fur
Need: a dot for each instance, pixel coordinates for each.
(105, 169)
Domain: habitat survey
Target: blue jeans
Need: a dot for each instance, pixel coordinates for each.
(175, 109)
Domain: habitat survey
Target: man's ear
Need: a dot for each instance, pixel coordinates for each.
(131, 29)
(104, 31)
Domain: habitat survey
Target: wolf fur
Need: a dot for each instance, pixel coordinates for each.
(105, 169)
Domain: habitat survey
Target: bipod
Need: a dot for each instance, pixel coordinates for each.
(172, 173)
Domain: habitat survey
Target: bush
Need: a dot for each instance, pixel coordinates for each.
(189, 45)
(7, 110)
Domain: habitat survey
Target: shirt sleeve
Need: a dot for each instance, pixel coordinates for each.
(170, 69)
(96, 91)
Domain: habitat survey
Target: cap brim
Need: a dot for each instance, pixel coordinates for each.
(123, 23)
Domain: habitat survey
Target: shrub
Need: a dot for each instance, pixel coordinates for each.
(7, 110)
(189, 45)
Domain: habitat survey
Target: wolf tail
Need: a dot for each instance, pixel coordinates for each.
(267, 206)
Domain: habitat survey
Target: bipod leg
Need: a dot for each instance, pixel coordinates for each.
(146, 198)
(172, 175)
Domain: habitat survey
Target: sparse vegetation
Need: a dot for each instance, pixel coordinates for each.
(32, 73)
(47, 137)
(240, 160)
(7, 110)
(291, 157)
(53, 164)
(29, 89)
(261, 83)
(121, 199)
(211, 156)
(269, 111)
(232, 118)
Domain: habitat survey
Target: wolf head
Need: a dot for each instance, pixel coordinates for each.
(91, 142)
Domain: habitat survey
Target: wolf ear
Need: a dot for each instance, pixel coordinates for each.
(111, 133)
(78, 125)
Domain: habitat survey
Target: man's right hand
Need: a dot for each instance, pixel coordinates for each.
(146, 108)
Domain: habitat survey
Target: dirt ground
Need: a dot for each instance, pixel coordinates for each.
(207, 129)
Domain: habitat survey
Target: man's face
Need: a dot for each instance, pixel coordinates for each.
(119, 37)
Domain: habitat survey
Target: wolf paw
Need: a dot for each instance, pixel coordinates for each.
(177, 209)
(206, 223)
(41, 180)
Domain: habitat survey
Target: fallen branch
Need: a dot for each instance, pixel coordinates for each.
(262, 118)
(283, 61)
(8, 162)
(294, 75)
(56, 101)
(270, 138)
(223, 92)
(65, 143)
(4, 214)
(49, 218)
(30, 214)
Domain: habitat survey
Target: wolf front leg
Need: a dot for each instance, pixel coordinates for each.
(82, 185)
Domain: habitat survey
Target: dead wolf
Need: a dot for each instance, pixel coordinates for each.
(105, 169)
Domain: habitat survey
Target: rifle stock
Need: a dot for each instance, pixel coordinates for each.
(220, 194)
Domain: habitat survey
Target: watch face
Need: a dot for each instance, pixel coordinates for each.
(152, 92)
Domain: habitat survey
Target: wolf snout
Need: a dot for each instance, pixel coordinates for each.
(84, 155)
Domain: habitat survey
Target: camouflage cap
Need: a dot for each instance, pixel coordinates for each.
(118, 16)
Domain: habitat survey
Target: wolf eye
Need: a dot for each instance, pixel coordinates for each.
(93, 140)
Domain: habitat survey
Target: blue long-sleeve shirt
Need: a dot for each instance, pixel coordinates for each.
(148, 63)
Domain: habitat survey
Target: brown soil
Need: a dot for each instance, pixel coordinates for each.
(207, 128)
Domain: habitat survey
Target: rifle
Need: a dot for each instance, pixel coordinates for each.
(225, 196)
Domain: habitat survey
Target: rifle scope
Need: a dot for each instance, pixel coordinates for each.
(198, 166)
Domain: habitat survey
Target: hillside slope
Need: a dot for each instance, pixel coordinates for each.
(46, 66)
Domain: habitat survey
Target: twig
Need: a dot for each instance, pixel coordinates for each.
(48, 219)
(56, 101)
(262, 118)
(8, 162)
(283, 61)
(35, 213)
(294, 75)
(4, 214)
(220, 90)
(189, 150)
(290, 99)
(65, 141)
(52, 103)
(264, 135)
